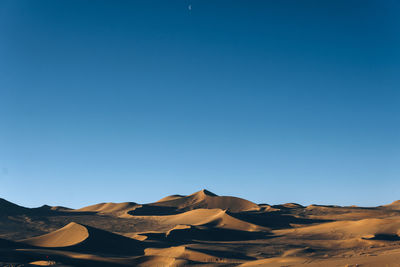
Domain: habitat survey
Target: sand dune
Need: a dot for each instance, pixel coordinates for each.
(200, 200)
(43, 263)
(200, 229)
(77, 237)
(393, 206)
(211, 217)
(207, 200)
(69, 235)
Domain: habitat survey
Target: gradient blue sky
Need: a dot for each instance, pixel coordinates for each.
(273, 101)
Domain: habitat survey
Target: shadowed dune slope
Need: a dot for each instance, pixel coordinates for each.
(273, 220)
(289, 206)
(8, 244)
(60, 208)
(207, 200)
(189, 233)
(8, 208)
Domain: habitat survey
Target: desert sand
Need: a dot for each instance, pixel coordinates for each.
(200, 229)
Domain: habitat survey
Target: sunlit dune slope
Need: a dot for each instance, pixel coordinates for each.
(69, 235)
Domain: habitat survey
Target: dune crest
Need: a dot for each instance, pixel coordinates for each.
(110, 207)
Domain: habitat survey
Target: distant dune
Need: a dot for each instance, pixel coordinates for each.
(110, 207)
(200, 229)
(394, 206)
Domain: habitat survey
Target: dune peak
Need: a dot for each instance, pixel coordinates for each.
(208, 193)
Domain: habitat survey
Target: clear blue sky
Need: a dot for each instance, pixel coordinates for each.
(273, 101)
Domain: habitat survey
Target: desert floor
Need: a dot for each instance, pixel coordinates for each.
(200, 229)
